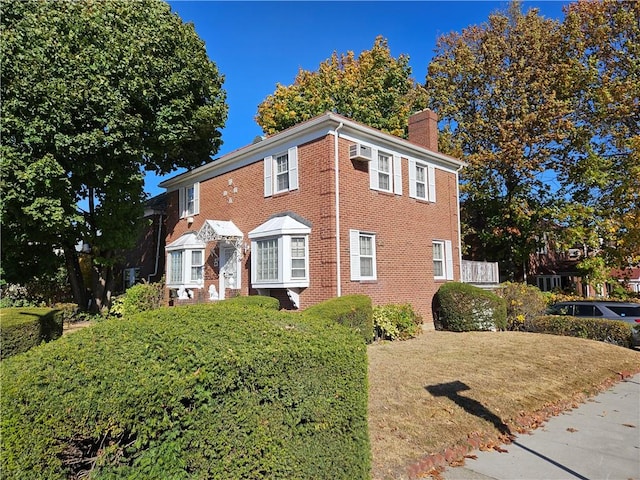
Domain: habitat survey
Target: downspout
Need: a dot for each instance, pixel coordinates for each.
(155, 272)
(337, 199)
(459, 230)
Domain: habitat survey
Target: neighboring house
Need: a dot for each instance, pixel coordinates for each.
(629, 278)
(327, 208)
(554, 269)
(146, 262)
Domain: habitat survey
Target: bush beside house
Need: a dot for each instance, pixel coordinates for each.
(462, 307)
(353, 311)
(396, 322)
(204, 391)
(24, 328)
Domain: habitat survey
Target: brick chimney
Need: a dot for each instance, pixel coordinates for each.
(423, 129)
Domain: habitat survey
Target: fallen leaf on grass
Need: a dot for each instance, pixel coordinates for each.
(500, 449)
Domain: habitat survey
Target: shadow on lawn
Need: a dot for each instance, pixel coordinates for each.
(452, 390)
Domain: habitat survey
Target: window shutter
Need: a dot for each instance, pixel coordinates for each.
(373, 170)
(354, 252)
(196, 198)
(448, 252)
(412, 179)
(432, 183)
(182, 205)
(397, 175)
(268, 176)
(293, 168)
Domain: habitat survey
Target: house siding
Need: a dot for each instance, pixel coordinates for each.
(404, 227)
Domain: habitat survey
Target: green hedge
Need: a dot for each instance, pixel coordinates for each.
(212, 391)
(353, 311)
(462, 307)
(611, 331)
(254, 301)
(24, 328)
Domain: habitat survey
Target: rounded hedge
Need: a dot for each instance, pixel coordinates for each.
(204, 391)
(461, 307)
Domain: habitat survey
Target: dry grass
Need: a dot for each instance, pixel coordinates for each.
(435, 391)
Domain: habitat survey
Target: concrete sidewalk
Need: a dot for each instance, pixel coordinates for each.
(598, 440)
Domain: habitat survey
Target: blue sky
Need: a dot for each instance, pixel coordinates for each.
(259, 44)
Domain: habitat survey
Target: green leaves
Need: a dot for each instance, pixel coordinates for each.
(545, 114)
(374, 88)
(95, 93)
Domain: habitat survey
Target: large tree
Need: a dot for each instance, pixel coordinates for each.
(95, 93)
(501, 92)
(374, 88)
(602, 168)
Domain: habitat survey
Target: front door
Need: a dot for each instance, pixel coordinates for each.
(229, 277)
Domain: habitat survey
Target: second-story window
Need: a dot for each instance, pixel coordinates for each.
(190, 200)
(281, 172)
(422, 181)
(385, 172)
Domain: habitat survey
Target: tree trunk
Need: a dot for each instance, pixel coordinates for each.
(103, 283)
(75, 277)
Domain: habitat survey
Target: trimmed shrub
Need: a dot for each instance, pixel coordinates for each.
(138, 298)
(396, 322)
(353, 311)
(261, 301)
(610, 331)
(24, 328)
(462, 308)
(200, 391)
(524, 303)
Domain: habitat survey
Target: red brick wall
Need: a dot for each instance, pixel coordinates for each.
(404, 227)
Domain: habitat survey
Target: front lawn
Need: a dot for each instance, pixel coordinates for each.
(445, 389)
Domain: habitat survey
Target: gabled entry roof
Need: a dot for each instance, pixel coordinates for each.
(214, 230)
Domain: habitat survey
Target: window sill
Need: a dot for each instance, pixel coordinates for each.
(264, 285)
(370, 281)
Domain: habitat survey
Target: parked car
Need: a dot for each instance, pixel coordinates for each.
(626, 312)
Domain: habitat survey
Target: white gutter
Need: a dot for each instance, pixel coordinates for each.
(337, 180)
(459, 231)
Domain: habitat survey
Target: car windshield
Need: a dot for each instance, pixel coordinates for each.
(625, 311)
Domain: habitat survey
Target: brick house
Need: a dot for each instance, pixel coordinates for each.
(326, 208)
(145, 262)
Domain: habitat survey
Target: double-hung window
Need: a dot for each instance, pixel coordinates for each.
(298, 257)
(362, 247)
(422, 181)
(197, 266)
(281, 172)
(442, 260)
(189, 200)
(385, 172)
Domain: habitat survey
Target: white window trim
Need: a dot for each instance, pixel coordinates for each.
(395, 172)
(354, 253)
(270, 174)
(186, 280)
(283, 232)
(447, 261)
(182, 194)
(430, 181)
